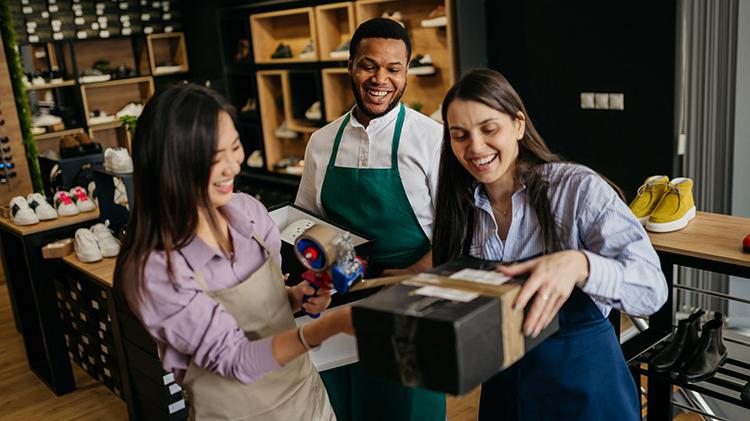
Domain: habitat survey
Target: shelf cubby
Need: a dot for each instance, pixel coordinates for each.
(167, 47)
(304, 90)
(337, 92)
(112, 96)
(336, 24)
(369, 9)
(110, 135)
(51, 141)
(117, 51)
(294, 27)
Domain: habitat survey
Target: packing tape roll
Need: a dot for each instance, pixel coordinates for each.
(323, 238)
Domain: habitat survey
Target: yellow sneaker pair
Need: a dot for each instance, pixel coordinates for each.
(662, 205)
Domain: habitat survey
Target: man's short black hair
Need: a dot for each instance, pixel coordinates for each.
(379, 28)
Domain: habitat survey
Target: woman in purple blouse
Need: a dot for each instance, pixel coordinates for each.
(200, 267)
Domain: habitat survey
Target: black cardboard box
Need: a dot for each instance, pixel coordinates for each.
(442, 344)
(284, 214)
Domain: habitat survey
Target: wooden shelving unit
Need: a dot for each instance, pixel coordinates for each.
(169, 47)
(336, 24)
(294, 27)
(337, 92)
(369, 9)
(51, 85)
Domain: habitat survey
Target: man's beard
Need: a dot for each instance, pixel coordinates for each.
(361, 106)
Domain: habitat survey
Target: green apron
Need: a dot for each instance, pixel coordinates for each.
(372, 201)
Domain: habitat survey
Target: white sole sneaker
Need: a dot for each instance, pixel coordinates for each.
(672, 226)
(435, 22)
(422, 71)
(644, 220)
(88, 257)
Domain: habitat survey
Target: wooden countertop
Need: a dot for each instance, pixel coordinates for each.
(42, 226)
(102, 271)
(709, 236)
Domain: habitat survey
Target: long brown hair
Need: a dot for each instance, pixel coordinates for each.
(173, 147)
(455, 210)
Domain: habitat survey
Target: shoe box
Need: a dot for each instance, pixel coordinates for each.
(285, 215)
(442, 334)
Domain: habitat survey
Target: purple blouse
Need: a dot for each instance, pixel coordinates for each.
(184, 321)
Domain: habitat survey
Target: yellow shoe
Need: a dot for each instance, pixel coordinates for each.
(675, 209)
(649, 195)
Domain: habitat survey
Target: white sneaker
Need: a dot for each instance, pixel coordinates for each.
(86, 246)
(132, 109)
(118, 161)
(44, 120)
(64, 204)
(82, 201)
(21, 212)
(255, 160)
(313, 113)
(121, 193)
(91, 192)
(108, 244)
(41, 207)
(284, 132)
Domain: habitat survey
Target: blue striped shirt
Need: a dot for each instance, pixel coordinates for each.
(624, 270)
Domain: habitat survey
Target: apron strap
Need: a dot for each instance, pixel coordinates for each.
(337, 141)
(397, 137)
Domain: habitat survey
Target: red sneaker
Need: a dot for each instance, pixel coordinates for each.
(746, 244)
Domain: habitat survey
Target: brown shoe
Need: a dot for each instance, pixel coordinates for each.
(89, 146)
(70, 147)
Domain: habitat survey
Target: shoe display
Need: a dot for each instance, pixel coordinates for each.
(41, 207)
(709, 354)
(250, 106)
(675, 209)
(297, 168)
(313, 113)
(38, 80)
(255, 160)
(308, 52)
(283, 164)
(45, 119)
(93, 76)
(388, 14)
(70, 147)
(746, 244)
(166, 67)
(88, 145)
(21, 212)
(108, 244)
(436, 18)
(282, 51)
(649, 194)
(283, 132)
(118, 161)
(421, 65)
(86, 247)
(100, 117)
(64, 204)
(342, 51)
(132, 109)
(681, 346)
(82, 201)
(124, 72)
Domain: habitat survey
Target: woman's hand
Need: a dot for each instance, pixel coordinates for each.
(551, 280)
(316, 302)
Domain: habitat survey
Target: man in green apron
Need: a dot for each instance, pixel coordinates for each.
(374, 170)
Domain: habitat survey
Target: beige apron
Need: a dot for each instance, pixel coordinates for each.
(261, 307)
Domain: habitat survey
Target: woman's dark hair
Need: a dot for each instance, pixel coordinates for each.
(455, 210)
(173, 148)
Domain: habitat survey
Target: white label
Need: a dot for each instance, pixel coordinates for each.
(177, 406)
(54, 9)
(126, 24)
(447, 293)
(174, 388)
(52, 2)
(95, 26)
(168, 378)
(33, 38)
(81, 34)
(489, 277)
(126, 31)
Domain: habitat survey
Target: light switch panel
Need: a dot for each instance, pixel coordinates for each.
(617, 101)
(601, 101)
(587, 100)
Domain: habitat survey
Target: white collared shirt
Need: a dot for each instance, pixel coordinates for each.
(418, 158)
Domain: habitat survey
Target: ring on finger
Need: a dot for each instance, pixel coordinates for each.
(545, 297)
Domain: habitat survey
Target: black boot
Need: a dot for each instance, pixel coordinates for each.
(709, 354)
(683, 343)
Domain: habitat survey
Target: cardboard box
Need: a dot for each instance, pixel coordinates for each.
(443, 334)
(285, 215)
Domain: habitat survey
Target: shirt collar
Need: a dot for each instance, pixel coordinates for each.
(198, 253)
(480, 195)
(377, 122)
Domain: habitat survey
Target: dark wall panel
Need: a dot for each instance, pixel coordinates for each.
(552, 51)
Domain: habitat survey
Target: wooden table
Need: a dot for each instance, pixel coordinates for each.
(102, 271)
(710, 242)
(32, 294)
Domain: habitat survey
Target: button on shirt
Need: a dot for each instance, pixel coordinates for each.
(418, 158)
(624, 270)
(188, 324)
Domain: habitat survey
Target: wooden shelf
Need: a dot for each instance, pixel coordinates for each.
(57, 135)
(118, 82)
(102, 271)
(335, 23)
(369, 9)
(51, 85)
(106, 126)
(337, 92)
(59, 222)
(167, 47)
(294, 27)
(112, 96)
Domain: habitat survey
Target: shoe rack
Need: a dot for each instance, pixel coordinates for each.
(328, 25)
(294, 27)
(168, 47)
(11, 140)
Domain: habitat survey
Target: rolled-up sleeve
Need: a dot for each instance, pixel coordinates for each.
(190, 325)
(624, 269)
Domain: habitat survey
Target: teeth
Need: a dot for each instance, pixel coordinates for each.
(482, 161)
(379, 94)
(223, 183)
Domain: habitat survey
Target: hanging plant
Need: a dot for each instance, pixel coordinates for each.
(15, 69)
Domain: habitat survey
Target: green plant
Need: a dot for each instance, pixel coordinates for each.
(129, 122)
(15, 69)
